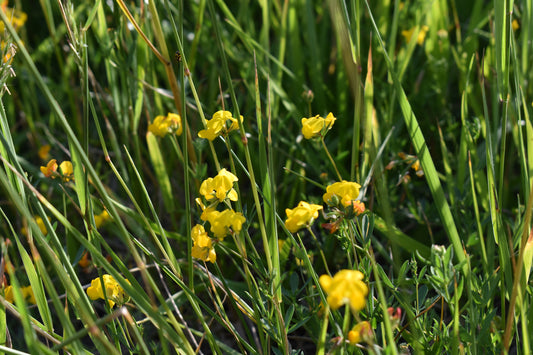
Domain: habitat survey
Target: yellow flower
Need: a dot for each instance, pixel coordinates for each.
(218, 125)
(203, 245)
(84, 261)
(66, 168)
(225, 222)
(27, 293)
(101, 219)
(346, 191)
(67, 171)
(113, 291)
(407, 34)
(44, 152)
(301, 216)
(360, 332)
(346, 286)
(301, 262)
(162, 125)
(205, 210)
(316, 126)
(50, 169)
(515, 25)
(40, 224)
(219, 187)
(16, 17)
(8, 294)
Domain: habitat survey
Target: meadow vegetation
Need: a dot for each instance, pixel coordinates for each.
(266, 177)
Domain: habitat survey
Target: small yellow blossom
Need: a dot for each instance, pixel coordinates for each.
(84, 261)
(225, 222)
(219, 187)
(218, 125)
(29, 296)
(101, 219)
(515, 25)
(301, 216)
(113, 291)
(360, 332)
(203, 245)
(413, 161)
(163, 125)
(407, 34)
(67, 171)
(301, 262)
(417, 168)
(317, 126)
(40, 224)
(66, 168)
(27, 293)
(346, 286)
(416, 165)
(44, 152)
(50, 169)
(345, 191)
(16, 17)
(205, 210)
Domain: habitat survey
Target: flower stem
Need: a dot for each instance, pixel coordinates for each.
(331, 158)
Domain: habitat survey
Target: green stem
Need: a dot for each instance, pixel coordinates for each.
(323, 332)
(330, 158)
(383, 303)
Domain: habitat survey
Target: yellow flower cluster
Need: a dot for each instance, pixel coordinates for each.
(301, 216)
(222, 223)
(27, 293)
(345, 193)
(221, 124)
(220, 187)
(203, 245)
(17, 20)
(163, 125)
(113, 291)
(346, 287)
(66, 168)
(225, 222)
(317, 126)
